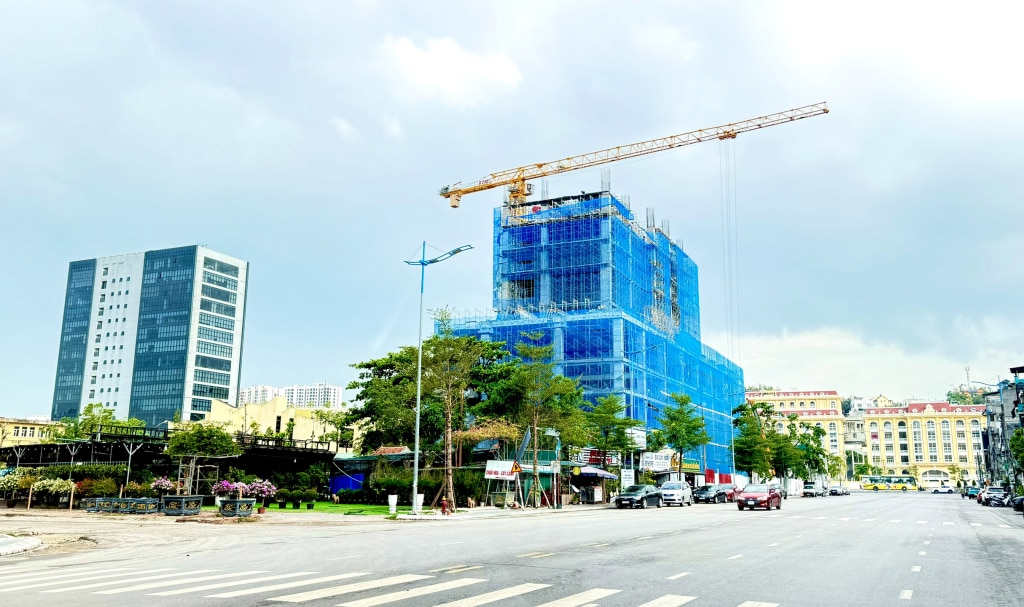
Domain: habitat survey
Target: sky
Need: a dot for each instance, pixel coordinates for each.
(875, 249)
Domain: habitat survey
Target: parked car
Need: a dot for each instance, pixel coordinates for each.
(814, 489)
(1018, 503)
(640, 496)
(730, 492)
(710, 494)
(781, 489)
(677, 492)
(759, 496)
(943, 489)
(991, 492)
(838, 490)
(971, 492)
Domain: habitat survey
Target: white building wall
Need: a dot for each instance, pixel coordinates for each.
(310, 395)
(110, 356)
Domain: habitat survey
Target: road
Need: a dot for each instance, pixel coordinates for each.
(866, 549)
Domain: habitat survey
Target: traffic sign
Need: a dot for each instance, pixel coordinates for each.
(516, 468)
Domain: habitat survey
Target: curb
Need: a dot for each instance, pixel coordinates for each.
(14, 545)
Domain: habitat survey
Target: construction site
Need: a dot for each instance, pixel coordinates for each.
(616, 297)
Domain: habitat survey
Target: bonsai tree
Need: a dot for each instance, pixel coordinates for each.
(103, 487)
(309, 495)
(283, 496)
(197, 440)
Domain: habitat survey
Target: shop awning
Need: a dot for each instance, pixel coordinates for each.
(592, 471)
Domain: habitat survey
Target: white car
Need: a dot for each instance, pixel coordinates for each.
(944, 489)
(677, 492)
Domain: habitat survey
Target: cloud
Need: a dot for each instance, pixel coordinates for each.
(444, 72)
(344, 128)
(392, 126)
(833, 358)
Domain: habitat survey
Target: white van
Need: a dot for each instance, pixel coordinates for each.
(814, 489)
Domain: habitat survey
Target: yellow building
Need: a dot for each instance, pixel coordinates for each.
(270, 417)
(821, 408)
(14, 432)
(938, 438)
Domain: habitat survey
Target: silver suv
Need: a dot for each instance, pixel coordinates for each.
(677, 492)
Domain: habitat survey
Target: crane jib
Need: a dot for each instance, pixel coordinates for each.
(516, 178)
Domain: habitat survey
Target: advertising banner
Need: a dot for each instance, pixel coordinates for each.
(655, 462)
(626, 477)
(501, 470)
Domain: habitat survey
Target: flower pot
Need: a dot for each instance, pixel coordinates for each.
(145, 505)
(182, 505)
(310, 505)
(242, 507)
(88, 504)
(282, 505)
(123, 505)
(261, 510)
(11, 502)
(295, 505)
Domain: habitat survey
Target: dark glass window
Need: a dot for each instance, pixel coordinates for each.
(161, 351)
(209, 391)
(212, 377)
(216, 321)
(213, 363)
(201, 404)
(221, 294)
(67, 393)
(215, 335)
(217, 308)
(220, 281)
(220, 266)
(215, 349)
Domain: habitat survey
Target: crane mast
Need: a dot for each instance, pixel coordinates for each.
(516, 179)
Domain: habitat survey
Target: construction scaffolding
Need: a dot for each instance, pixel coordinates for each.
(619, 302)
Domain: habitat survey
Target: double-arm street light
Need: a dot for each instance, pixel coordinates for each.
(423, 262)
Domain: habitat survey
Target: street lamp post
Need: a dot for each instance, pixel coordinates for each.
(423, 262)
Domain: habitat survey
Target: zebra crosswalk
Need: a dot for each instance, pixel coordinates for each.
(436, 588)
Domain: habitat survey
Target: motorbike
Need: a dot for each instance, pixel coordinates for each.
(999, 501)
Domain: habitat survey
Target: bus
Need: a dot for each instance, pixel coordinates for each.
(888, 483)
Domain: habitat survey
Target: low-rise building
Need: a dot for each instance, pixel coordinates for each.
(18, 431)
(821, 408)
(939, 442)
(272, 417)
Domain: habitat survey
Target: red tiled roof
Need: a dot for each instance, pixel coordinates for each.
(392, 450)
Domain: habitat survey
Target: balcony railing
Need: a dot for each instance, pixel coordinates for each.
(265, 442)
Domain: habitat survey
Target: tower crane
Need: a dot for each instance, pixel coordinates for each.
(516, 179)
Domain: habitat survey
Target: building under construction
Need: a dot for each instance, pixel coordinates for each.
(618, 300)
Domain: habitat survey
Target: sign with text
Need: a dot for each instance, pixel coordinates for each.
(501, 470)
(655, 462)
(626, 477)
(639, 437)
(592, 457)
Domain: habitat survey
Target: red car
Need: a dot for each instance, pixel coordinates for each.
(759, 496)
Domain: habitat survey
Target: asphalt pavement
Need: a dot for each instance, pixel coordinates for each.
(865, 549)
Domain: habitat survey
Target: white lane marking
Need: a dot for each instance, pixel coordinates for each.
(735, 556)
(268, 578)
(947, 523)
(144, 578)
(797, 516)
(906, 594)
(757, 604)
(598, 545)
(870, 520)
(975, 524)
(413, 592)
(497, 595)
(800, 535)
(165, 583)
(678, 575)
(583, 598)
(922, 553)
(773, 545)
(845, 519)
(528, 555)
(819, 518)
(91, 577)
(450, 543)
(922, 522)
(669, 600)
(347, 588)
(1005, 526)
(642, 537)
(542, 555)
(927, 542)
(915, 569)
(449, 567)
(316, 580)
(896, 520)
(80, 573)
(343, 558)
(450, 571)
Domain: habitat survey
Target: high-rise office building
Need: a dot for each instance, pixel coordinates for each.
(152, 335)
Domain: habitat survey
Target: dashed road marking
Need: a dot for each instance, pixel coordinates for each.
(820, 518)
(927, 542)
(915, 569)
(1004, 526)
(896, 520)
(757, 604)
(678, 575)
(448, 568)
(735, 556)
(947, 522)
(581, 599)
(529, 555)
(975, 524)
(542, 555)
(669, 600)
(497, 595)
(870, 520)
(922, 522)
(348, 588)
(413, 592)
(906, 594)
(773, 545)
(461, 569)
(922, 553)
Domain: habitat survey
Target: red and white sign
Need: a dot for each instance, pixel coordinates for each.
(501, 470)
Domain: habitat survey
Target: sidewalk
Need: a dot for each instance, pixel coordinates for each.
(14, 545)
(484, 512)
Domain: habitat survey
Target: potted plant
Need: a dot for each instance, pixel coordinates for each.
(104, 490)
(190, 443)
(261, 490)
(296, 498)
(309, 496)
(9, 485)
(237, 504)
(283, 497)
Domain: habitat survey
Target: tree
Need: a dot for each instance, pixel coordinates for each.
(339, 419)
(196, 440)
(753, 446)
(847, 405)
(608, 425)
(90, 422)
(682, 428)
(547, 396)
(448, 362)
(956, 473)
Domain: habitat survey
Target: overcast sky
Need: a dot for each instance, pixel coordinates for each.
(876, 245)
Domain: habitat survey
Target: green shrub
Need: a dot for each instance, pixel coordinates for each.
(283, 495)
(309, 495)
(351, 496)
(134, 489)
(80, 472)
(103, 487)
